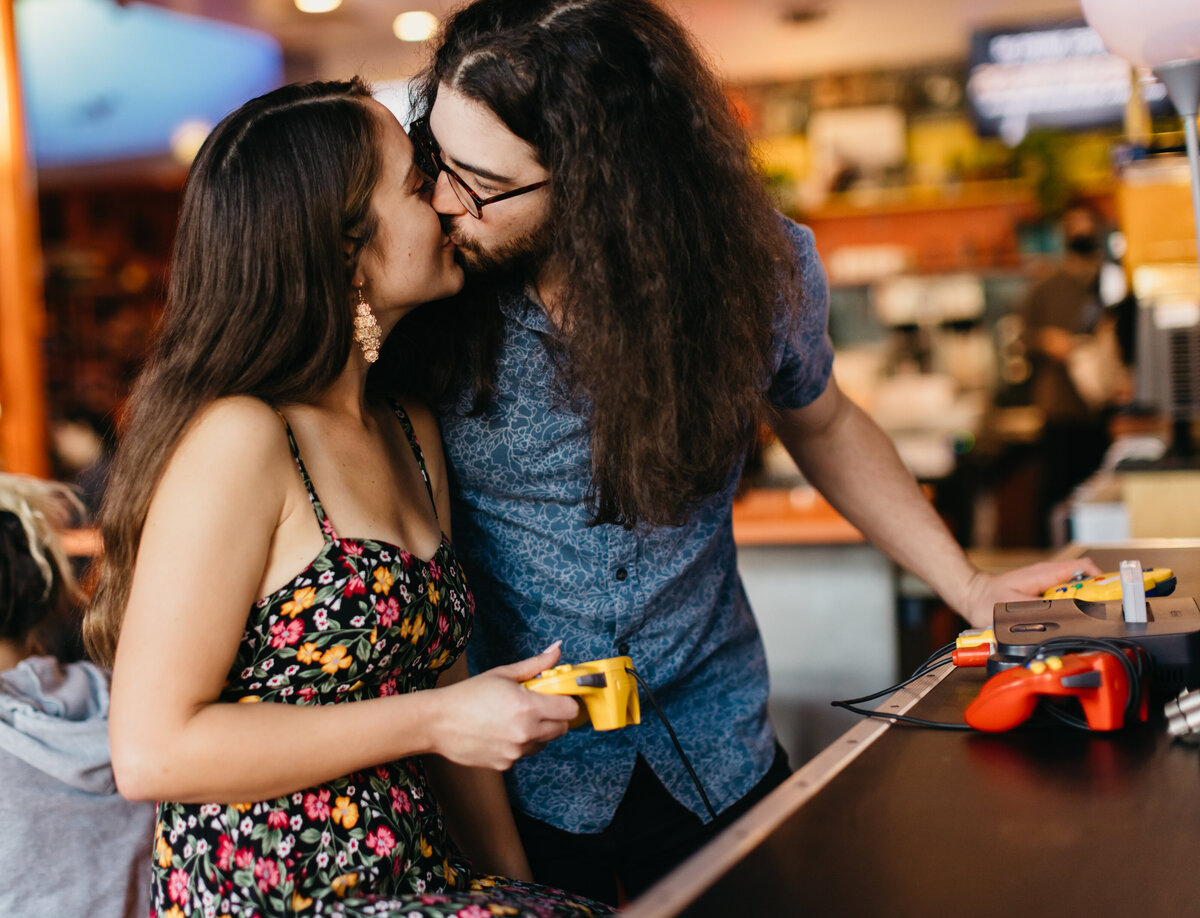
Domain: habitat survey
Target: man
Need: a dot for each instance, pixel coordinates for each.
(1062, 310)
(638, 307)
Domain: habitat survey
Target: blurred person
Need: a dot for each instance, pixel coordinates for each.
(1062, 315)
(70, 844)
(637, 307)
(288, 674)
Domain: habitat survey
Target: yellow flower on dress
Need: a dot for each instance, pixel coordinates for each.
(343, 883)
(335, 658)
(299, 903)
(164, 853)
(383, 580)
(418, 628)
(173, 912)
(448, 872)
(344, 812)
(374, 635)
(426, 848)
(301, 600)
(242, 807)
(249, 699)
(158, 830)
(434, 596)
(502, 910)
(483, 883)
(440, 660)
(307, 653)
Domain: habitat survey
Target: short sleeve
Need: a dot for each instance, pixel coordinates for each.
(802, 347)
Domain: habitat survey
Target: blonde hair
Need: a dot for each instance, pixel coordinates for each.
(43, 507)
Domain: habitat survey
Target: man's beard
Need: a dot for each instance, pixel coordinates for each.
(520, 257)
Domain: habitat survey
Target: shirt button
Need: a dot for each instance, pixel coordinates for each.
(622, 573)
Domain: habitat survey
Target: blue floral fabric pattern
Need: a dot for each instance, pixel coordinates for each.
(671, 598)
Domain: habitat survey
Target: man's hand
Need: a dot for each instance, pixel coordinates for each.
(1024, 583)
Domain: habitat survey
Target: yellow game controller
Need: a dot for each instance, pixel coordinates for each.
(605, 687)
(1159, 581)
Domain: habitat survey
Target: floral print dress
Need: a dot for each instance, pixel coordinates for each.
(365, 619)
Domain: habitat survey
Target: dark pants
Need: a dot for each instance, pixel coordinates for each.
(650, 834)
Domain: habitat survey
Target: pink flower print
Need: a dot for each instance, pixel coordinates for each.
(381, 841)
(307, 693)
(177, 885)
(443, 622)
(400, 801)
(406, 559)
(388, 688)
(317, 807)
(473, 911)
(353, 549)
(327, 527)
(224, 852)
(435, 572)
(284, 634)
(388, 611)
(277, 819)
(354, 587)
(266, 871)
(381, 772)
(244, 858)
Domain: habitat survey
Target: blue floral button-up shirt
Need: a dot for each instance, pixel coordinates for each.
(671, 598)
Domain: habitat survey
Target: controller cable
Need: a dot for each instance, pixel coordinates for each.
(1135, 669)
(674, 739)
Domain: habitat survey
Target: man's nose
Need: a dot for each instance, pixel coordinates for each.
(445, 201)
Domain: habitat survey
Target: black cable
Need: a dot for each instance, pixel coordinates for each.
(850, 704)
(940, 652)
(674, 739)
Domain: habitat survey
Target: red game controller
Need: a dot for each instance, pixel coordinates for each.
(1099, 680)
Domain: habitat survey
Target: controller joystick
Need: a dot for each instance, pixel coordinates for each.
(1098, 679)
(605, 689)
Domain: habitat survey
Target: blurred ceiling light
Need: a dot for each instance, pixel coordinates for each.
(187, 139)
(317, 6)
(415, 25)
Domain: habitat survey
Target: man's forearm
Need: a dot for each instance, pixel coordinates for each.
(854, 464)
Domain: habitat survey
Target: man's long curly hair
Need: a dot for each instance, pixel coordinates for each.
(676, 263)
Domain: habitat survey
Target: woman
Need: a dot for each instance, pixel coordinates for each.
(60, 803)
(289, 741)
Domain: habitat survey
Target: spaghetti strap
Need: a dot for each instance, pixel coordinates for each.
(327, 530)
(413, 443)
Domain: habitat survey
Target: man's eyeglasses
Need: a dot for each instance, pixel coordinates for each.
(429, 160)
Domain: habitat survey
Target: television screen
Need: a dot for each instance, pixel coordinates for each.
(1056, 75)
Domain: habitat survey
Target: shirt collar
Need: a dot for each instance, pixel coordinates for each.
(524, 306)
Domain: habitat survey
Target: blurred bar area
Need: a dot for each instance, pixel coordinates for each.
(1002, 207)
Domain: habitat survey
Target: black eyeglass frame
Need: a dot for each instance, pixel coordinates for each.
(425, 144)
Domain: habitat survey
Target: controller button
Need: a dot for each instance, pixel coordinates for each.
(1029, 626)
(1083, 680)
(1037, 667)
(1055, 663)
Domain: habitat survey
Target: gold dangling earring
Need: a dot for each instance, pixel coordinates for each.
(366, 328)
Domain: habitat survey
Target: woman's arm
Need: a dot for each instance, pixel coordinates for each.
(476, 808)
(208, 534)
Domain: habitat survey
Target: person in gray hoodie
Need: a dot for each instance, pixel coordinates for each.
(69, 843)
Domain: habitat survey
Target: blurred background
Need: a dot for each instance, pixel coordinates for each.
(1002, 207)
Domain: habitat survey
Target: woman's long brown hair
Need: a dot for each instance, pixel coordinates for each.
(259, 297)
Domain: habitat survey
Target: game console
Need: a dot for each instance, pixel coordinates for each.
(1170, 635)
(606, 690)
